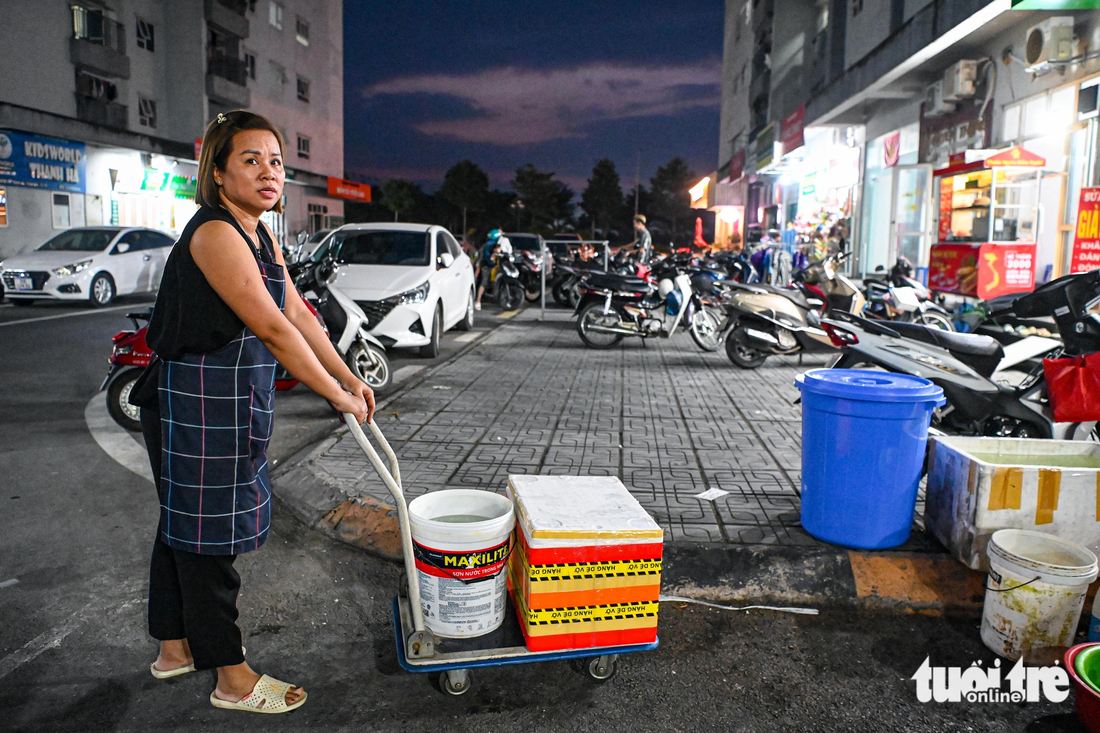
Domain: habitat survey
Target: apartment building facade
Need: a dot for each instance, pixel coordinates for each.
(881, 113)
(103, 107)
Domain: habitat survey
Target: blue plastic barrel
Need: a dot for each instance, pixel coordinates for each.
(863, 439)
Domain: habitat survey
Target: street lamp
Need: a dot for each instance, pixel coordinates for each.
(517, 206)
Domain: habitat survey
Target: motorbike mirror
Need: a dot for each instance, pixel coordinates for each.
(302, 237)
(447, 259)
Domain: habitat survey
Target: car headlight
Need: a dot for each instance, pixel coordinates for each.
(416, 295)
(72, 269)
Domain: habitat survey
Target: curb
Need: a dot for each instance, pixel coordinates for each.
(319, 501)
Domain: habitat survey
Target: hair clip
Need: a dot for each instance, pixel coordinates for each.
(221, 118)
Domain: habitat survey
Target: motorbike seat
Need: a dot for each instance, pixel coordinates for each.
(982, 353)
(791, 294)
(623, 283)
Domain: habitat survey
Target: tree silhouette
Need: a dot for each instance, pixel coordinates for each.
(546, 200)
(466, 186)
(399, 195)
(602, 199)
(669, 198)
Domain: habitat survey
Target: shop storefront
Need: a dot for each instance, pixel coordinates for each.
(160, 198)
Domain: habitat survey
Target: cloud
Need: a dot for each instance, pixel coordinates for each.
(520, 106)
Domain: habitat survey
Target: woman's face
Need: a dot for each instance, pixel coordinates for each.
(253, 177)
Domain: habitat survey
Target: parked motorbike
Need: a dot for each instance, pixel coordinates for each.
(764, 320)
(614, 306)
(530, 264)
(991, 389)
(129, 357)
(897, 296)
(345, 322)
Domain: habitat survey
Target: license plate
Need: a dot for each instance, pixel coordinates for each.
(24, 283)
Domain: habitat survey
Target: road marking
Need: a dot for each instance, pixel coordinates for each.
(116, 441)
(467, 337)
(67, 315)
(507, 314)
(9, 583)
(405, 372)
(52, 639)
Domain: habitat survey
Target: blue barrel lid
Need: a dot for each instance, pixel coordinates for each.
(869, 386)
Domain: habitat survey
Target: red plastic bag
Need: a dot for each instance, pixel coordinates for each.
(1073, 387)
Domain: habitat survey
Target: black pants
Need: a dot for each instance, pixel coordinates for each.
(191, 596)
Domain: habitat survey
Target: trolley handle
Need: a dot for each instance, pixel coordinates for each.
(392, 479)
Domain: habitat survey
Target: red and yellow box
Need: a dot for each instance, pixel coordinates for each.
(585, 570)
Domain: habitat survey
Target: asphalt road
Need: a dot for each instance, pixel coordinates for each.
(76, 528)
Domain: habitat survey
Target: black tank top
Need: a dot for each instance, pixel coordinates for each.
(189, 317)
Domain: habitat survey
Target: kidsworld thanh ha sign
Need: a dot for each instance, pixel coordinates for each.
(33, 161)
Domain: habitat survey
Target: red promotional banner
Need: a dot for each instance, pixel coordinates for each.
(737, 166)
(1086, 238)
(947, 207)
(953, 268)
(891, 149)
(1005, 268)
(1015, 157)
(342, 189)
(791, 130)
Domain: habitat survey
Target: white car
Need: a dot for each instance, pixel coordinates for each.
(88, 263)
(412, 280)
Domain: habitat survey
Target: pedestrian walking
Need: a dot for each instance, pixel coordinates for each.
(226, 310)
(643, 242)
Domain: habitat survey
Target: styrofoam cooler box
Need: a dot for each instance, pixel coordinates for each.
(585, 569)
(977, 486)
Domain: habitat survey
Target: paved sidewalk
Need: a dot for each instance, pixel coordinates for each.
(669, 419)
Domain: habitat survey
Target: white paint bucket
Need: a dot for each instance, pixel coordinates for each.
(461, 541)
(1034, 592)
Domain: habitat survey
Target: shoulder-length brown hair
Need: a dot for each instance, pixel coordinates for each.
(217, 145)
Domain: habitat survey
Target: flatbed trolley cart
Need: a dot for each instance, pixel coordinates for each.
(418, 650)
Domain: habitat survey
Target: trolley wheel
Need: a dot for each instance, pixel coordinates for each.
(455, 681)
(603, 668)
(403, 586)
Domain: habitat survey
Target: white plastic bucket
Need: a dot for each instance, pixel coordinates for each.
(461, 540)
(1034, 592)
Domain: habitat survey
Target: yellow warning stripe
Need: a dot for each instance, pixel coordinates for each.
(590, 570)
(607, 612)
(591, 627)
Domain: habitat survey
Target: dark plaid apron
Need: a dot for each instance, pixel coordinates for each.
(215, 412)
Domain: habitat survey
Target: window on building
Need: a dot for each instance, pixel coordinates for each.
(275, 14)
(301, 31)
(250, 64)
(61, 211)
(147, 112)
(303, 89)
(143, 36)
(857, 7)
(278, 77)
(303, 147)
(3, 207)
(318, 218)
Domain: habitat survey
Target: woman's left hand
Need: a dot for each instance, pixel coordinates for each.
(360, 389)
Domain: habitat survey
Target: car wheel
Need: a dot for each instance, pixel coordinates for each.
(431, 349)
(102, 290)
(118, 401)
(467, 323)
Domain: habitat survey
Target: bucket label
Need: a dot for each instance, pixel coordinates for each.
(463, 566)
(585, 570)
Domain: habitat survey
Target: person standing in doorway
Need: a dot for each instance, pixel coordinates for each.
(643, 242)
(226, 310)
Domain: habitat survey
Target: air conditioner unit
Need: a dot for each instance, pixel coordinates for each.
(959, 80)
(1049, 42)
(934, 103)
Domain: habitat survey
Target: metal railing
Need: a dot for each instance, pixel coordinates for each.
(227, 67)
(94, 27)
(102, 112)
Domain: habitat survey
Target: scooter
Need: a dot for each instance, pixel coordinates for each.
(530, 266)
(129, 357)
(614, 306)
(991, 389)
(765, 320)
(345, 322)
(899, 297)
(506, 288)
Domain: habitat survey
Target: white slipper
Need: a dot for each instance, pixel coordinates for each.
(163, 674)
(268, 696)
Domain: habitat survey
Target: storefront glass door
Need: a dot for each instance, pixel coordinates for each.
(911, 215)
